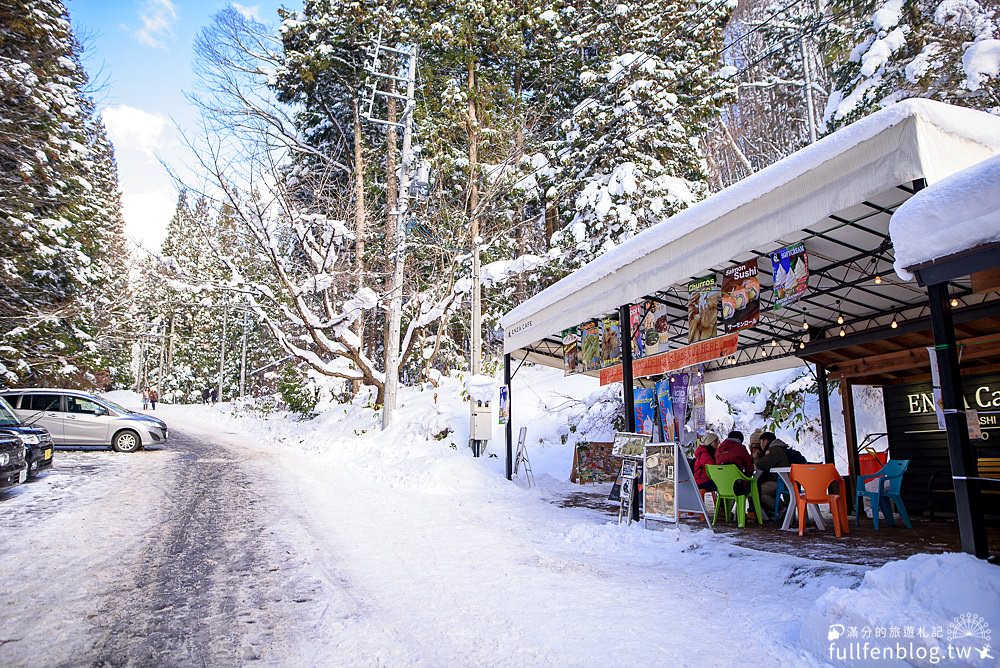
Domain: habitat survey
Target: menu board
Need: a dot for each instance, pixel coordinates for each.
(703, 309)
(629, 444)
(645, 409)
(790, 267)
(668, 427)
(571, 350)
(659, 487)
(593, 463)
(611, 342)
(589, 355)
(740, 297)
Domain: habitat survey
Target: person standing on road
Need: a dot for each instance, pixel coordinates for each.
(153, 397)
(145, 398)
(205, 394)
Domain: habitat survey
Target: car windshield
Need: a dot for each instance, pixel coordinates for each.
(7, 416)
(113, 405)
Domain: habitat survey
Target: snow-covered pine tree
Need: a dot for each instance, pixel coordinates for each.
(650, 83)
(945, 50)
(59, 205)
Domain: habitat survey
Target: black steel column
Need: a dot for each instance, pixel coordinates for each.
(508, 428)
(963, 462)
(625, 328)
(824, 414)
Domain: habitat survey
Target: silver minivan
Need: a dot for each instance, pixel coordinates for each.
(78, 418)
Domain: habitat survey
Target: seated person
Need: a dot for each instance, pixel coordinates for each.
(775, 456)
(732, 451)
(755, 448)
(704, 456)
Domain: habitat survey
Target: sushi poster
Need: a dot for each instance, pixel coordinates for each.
(571, 350)
(589, 356)
(703, 309)
(668, 428)
(645, 409)
(740, 297)
(791, 274)
(611, 342)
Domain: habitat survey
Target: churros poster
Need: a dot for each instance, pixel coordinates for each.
(740, 297)
(790, 267)
(703, 309)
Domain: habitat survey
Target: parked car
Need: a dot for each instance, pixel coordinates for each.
(78, 418)
(13, 468)
(37, 440)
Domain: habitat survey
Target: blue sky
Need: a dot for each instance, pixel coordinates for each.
(142, 51)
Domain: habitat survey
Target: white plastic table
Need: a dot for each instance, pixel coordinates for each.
(784, 473)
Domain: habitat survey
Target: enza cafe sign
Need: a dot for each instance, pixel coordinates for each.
(982, 403)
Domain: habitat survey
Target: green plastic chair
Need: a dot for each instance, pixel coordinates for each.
(725, 476)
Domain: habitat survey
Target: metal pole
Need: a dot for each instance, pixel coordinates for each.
(824, 414)
(477, 310)
(963, 463)
(222, 348)
(625, 331)
(509, 427)
(392, 352)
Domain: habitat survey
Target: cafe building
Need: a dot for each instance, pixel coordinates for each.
(807, 261)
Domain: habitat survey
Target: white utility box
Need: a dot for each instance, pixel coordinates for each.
(482, 421)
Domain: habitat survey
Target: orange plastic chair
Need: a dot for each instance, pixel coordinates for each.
(811, 484)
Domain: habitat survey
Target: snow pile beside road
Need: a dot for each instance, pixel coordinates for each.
(926, 591)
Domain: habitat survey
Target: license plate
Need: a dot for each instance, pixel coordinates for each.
(48, 453)
(23, 476)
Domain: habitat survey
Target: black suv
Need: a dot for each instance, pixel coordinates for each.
(37, 441)
(13, 469)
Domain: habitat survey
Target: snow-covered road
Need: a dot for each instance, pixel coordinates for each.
(302, 544)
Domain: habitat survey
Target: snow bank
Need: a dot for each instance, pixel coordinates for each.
(932, 592)
(958, 213)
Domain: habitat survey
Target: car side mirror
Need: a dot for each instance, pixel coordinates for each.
(100, 411)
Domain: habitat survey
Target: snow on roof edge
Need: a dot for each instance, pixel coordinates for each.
(960, 212)
(952, 119)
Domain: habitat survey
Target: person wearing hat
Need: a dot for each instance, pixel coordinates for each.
(704, 456)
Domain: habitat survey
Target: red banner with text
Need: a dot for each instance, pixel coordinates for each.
(696, 353)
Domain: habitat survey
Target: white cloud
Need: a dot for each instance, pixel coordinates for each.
(157, 18)
(147, 215)
(135, 129)
(248, 11)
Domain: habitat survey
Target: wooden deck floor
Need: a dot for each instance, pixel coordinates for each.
(863, 546)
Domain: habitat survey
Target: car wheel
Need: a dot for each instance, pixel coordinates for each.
(126, 441)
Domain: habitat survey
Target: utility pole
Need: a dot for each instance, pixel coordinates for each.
(807, 89)
(392, 352)
(159, 374)
(222, 346)
(243, 358)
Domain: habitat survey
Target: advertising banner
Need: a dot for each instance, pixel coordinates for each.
(589, 356)
(790, 274)
(680, 358)
(611, 342)
(740, 297)
(696, 399)
(645, 409)
(668, 430)
(571, 349)
(679, 384)
(703, 309)
(503, 410)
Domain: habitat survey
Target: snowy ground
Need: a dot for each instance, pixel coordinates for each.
(328, 542)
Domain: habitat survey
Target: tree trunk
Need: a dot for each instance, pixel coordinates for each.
(360, 220)
(472, 128)
(391, 204)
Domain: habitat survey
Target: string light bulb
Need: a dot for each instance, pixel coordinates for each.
(894, 324)
(774, 343)
(878, 280)
(805, 324)
(954, 302)
(802, 345)
(843, 332)
(840, 319)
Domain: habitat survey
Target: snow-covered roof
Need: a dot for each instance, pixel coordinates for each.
(909, 140)
(959, 213)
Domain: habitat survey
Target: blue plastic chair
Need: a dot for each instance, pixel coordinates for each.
(890, 480)
(780, 492)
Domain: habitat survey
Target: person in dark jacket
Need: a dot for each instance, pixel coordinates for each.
(215, 394)
(732, 451)
(205, 394)
(705, 456)
(775, 456)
